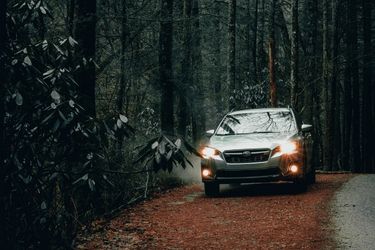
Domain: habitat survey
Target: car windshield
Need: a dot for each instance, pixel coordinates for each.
(257, 122)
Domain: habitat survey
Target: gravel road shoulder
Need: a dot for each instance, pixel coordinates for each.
(354, 213)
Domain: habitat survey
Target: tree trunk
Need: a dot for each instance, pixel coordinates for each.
(216, 75)
(334, 114)
(271, 56)
(261, 56)
(70, 10)
(199, 117)
(367, 121)
(121, 96)
(294, 57)
(124, 43)
(347, 142)
(326, 68)
(165, 67)
(186, 71)
(312, 98)
(85, 34)
(248, 43)
(255, 41)
(353, 41)
(3, 54)
(231, 67)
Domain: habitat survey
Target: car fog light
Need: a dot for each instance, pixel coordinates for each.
(206, 172)
(293, 168)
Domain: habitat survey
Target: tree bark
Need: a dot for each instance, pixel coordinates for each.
(271, 56)
(334, 114)
(85, 34)
(294, 57)
(326, 69)
(248, 45)
(353, 41)
(347, 142)
(217, 73)
(255, 41)
(3, 77)
(186, 71)
(165, 67)
(367, 122)
(70, 10)
(199, 117)
(124, 43)
(231, 67)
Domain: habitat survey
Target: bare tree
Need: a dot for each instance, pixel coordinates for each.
(198, 117)
(186, 70)
(165, 66)
(294, 81)
(367, 90)
(85, 34)
(271, 55)
(231, 66)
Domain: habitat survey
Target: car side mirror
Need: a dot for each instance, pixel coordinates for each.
(306, 128)
(210, 132)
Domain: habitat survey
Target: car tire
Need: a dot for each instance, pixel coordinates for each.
(211, 189)
(301, 185)
(312, 176)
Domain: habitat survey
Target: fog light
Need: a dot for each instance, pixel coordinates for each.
(293, 168)
(206, 172)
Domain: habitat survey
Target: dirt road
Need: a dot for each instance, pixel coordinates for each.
(263, 216)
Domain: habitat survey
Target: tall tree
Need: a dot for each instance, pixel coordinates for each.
(3, 77)
(165, 66)
(85, 34)
(261, 55)
(70, 10)
(326, 69)
(231, 66)
(333, 112)
(351, 87)
(248, 42)
(124, 44)
(255, 40)
(186, 70)
(368, 102)
(294, 57)
(3, 45)
(216, 74)
(354, 75)
(198, 117)
(271, 55)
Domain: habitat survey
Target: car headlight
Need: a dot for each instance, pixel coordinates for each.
(208, 153)
(288, 148)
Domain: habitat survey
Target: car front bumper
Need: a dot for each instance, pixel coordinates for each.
(276, 168)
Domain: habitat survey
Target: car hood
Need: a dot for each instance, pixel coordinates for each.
(249, 141)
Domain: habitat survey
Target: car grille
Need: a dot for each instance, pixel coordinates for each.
(246, 156)
(248, 173)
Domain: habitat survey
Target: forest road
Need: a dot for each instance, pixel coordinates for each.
(354, 213)
(257, 216)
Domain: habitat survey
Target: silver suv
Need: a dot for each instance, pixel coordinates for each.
(257, 145)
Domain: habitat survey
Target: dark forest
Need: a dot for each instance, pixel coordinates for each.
(97, 96)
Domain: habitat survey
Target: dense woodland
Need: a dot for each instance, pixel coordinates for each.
(96, 95)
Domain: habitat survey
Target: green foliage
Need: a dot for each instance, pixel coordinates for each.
(56, 152)
(163, 153)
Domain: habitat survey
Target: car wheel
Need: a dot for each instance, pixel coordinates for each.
(301, 185)
(211, 189)
(311, 177)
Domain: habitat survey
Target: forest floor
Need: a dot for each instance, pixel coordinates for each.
(259, 216)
